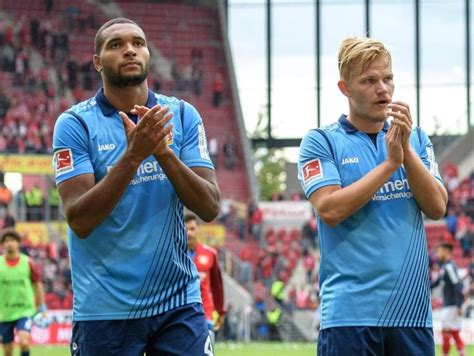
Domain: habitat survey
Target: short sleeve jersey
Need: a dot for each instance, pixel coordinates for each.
(134, 264)
(374, 264)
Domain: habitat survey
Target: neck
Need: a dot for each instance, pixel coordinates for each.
(365, 124)
(123, 99)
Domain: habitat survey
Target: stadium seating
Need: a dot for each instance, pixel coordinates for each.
(181, 29)
(437, 232)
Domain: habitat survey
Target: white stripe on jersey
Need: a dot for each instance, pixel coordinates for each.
(452, 274)
(434, 170)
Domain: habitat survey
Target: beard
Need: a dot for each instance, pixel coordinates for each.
(371, 116)
(120, 80)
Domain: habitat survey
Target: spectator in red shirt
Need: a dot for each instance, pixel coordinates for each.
(256, 222)
(309, 264)
(6, 195)
(207, 264)
(217, 89)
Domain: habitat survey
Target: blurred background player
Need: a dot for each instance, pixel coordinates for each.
(451, 311)
(207, 264)
(127, 161)
(370, 181)
(21, 294)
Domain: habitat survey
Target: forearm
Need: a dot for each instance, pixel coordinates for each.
(39, 293)
(88, 210)
(342, 203)
(217, 289)
(196, 193)
(430, 195)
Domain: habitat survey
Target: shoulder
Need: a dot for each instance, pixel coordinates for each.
(83, 108)
(166, 100)
(177, 105)
(27, 258)
(207, 249)
(323, 132)
(81, 111)
(321, 139)
(419, 135)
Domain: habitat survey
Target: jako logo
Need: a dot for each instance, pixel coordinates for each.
(106, 147)
(350, 160)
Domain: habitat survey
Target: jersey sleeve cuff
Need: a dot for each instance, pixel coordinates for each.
(77, 172)
(315, 187)
(199, 163)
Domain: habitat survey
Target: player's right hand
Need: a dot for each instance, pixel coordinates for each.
(144, 137)
(394, 145)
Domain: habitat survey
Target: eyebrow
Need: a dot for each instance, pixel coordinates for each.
(369, 76)
(113, 39)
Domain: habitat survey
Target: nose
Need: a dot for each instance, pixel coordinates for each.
(130, 50)
(382, 87)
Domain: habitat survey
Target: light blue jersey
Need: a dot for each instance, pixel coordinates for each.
(374, 264)
(134, 264)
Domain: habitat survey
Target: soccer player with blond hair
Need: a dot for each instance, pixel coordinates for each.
(369, 180)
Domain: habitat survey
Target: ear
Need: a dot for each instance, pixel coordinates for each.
(97, 64)
(344, 88)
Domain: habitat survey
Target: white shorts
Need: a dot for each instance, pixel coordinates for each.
(450, 319)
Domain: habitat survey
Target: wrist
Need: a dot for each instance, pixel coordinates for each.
(391, 165)
(408, 152)
(133, 159)
(163, 154)
(42, 308)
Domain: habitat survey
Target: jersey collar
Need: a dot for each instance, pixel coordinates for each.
(107, 108)
(349, 128)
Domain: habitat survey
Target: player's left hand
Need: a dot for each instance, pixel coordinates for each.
(42, 308)
(218, 323)
(41, 318)
(402, 119)
(161, 115)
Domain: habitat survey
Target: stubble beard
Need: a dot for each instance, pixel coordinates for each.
(120, 80)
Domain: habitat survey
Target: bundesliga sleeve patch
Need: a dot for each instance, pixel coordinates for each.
(312, 170)
(63, 161)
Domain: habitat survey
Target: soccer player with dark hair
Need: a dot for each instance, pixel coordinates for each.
(370, 179)
(126, 163)
(212, 286)
(451, 311)
(21, 294)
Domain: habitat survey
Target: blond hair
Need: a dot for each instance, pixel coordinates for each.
(359, 53)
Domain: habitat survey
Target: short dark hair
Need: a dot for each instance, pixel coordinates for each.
(190, 217)
(447, 245)
(99, 40)
(11, 233)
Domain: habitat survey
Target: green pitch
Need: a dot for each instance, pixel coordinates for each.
(237, 349)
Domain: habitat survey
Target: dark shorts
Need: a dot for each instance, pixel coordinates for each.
(7, 329)
(181, 331)
(377, 341)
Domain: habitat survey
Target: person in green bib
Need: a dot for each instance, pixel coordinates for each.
(21, 294)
